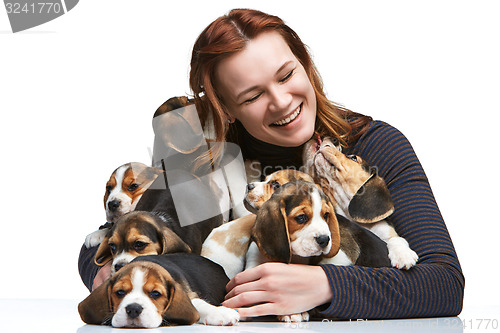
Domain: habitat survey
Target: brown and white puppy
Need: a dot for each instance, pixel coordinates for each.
(124, 189)
(228, 244)
(296, 224)
(153, 291)
(357, 193)
(136, 234)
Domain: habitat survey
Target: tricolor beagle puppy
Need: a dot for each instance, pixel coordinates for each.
(156, 220)
(228, 244)
(357, 193)
(124, 189)
(136, 234)
(153, 291)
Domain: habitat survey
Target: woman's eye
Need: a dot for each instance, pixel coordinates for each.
(301, 219)
(287, 76)
(133, 187)
(250, 100)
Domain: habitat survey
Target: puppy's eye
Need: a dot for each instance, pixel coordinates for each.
(155, 294)
(112, 247)
(109, 188)
(133, 187)
(120, 293)
(275, 185)
(326, 216)
(353, 157)
(138, 245)
(301, 219)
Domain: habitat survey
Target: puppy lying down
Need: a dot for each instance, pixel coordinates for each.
(152, 291)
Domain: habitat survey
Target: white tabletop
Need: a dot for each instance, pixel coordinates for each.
(53, 316)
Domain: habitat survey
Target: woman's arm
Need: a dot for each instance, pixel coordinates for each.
(434, 287)
(86, 266)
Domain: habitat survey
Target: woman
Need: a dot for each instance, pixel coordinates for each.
(253, 78)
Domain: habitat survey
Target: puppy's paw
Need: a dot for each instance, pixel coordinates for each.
(221, 316)
(400, 254)
(95, 238)
(295, 318)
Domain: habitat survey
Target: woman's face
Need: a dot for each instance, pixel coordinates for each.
(267, 89)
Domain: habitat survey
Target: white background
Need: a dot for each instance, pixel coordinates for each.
(77, 96)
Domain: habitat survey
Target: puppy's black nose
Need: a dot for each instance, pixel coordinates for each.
(250, 187)
(133, 310)
(118, 266)
(322, 240)
(113, 205)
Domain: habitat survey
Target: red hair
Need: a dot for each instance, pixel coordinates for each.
(228, 35)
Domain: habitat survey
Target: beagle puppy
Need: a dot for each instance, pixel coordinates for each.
(136, 234)
(124, 189)
(295, 225)
(228, 244)
(357, 193)
(153, 291)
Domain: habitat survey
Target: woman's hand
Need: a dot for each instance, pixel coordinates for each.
(102, 275)
(278, 289)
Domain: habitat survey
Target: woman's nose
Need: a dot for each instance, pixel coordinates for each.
(280, 99)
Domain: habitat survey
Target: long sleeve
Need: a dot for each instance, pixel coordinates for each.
(86, 266)
(434, 287)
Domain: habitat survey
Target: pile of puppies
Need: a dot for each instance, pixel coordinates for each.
(164, 273)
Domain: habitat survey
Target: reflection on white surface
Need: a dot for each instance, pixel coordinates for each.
(450, 325)
(53, 316)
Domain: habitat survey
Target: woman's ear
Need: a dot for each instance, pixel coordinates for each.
(333, 225)
(179, 308)
(270, 231)
(96, 309)
(372, 202)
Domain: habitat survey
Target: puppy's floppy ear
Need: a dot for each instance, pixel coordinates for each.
(96, 308)
(270, 230)
(103, 254)
(172, 242)
(372, 202)
(333, 225)
(179, 308)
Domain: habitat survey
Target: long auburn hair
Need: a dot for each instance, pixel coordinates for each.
(228, 35)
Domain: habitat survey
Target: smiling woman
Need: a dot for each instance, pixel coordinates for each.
(267, 89)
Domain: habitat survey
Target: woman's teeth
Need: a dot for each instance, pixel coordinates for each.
(290, 118)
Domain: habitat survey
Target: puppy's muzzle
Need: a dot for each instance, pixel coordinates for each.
(113, 205)
(134, 310)
(322, 240)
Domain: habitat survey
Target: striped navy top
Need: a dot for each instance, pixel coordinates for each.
(433, 287)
